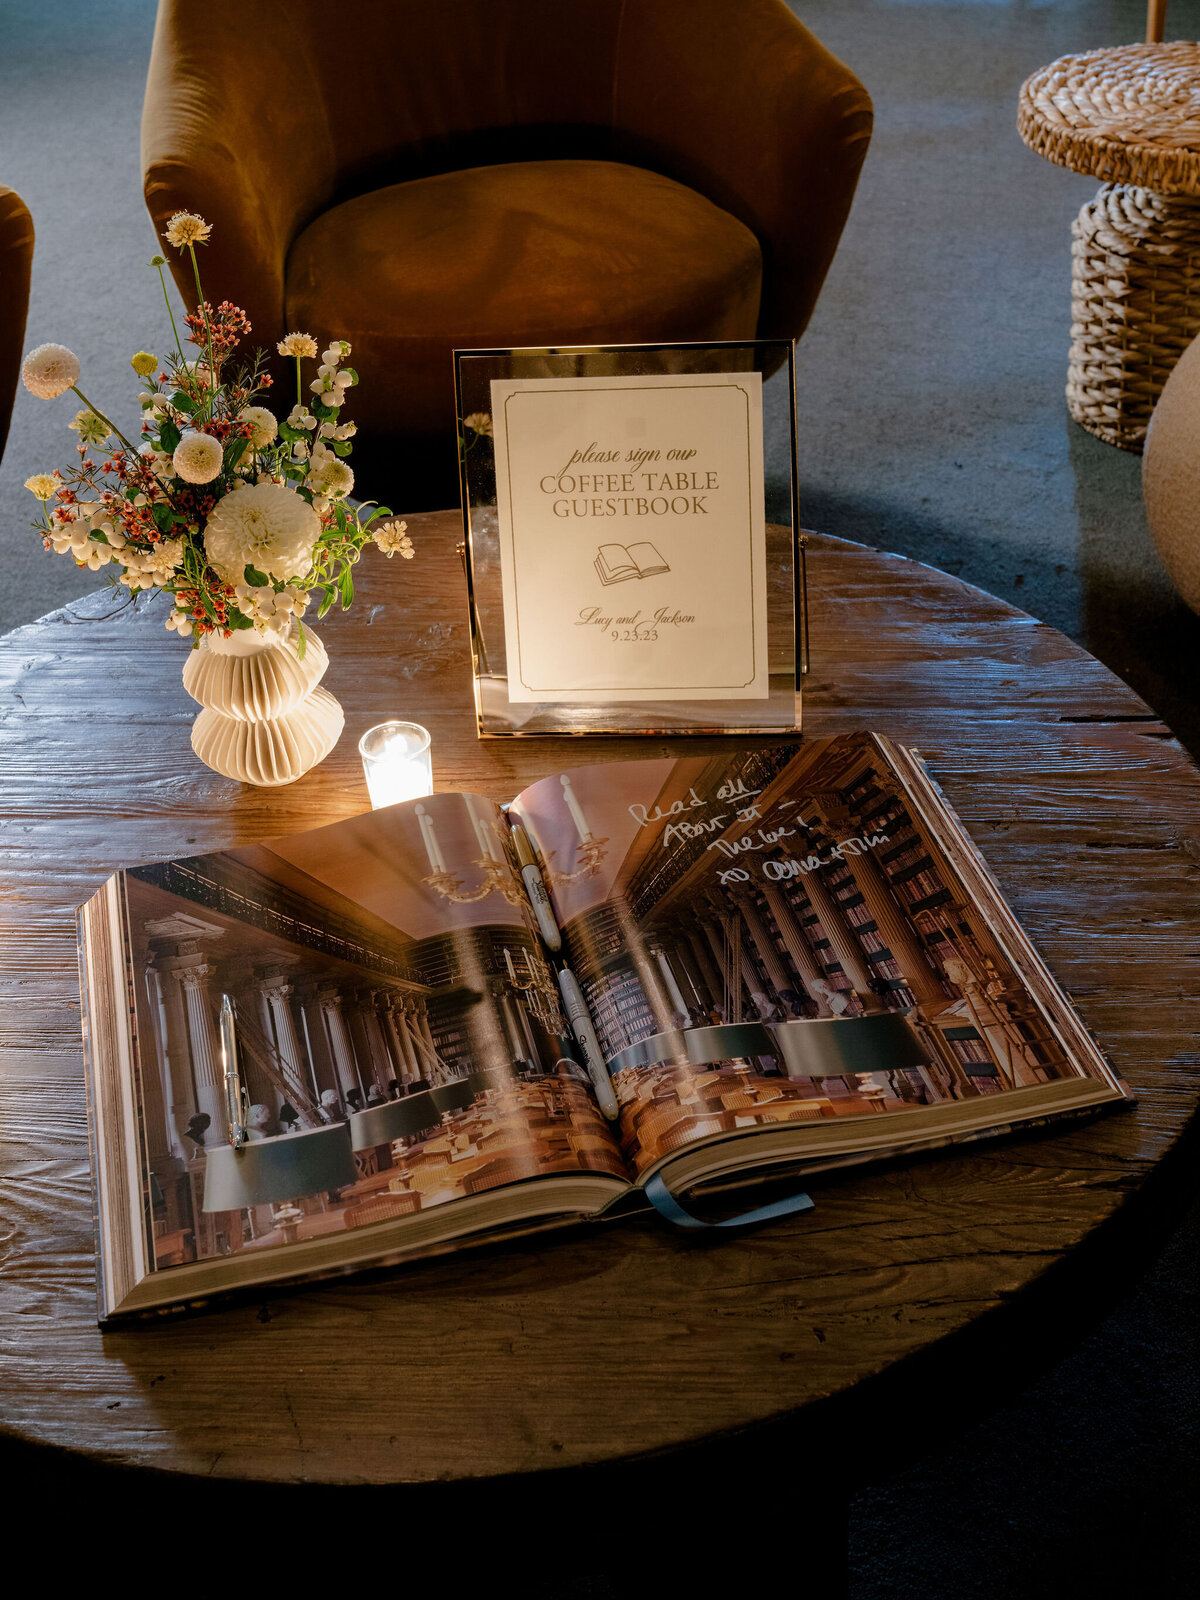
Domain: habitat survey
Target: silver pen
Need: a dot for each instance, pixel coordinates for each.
(234, 1093)
(589, 1045)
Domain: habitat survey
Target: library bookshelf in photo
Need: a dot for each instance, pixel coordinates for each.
(788, 960)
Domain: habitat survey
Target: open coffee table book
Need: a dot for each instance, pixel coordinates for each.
(645, 982)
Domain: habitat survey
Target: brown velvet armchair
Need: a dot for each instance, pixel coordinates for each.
(16, 264)
(483, 173)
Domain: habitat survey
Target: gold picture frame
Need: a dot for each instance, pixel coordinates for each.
(778, 711)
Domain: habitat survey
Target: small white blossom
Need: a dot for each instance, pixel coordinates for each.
(179, 622)
(392, 538)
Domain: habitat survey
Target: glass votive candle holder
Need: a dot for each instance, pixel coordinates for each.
(397, 762)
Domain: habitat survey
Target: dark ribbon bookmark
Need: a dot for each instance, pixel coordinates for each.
(665, 1203)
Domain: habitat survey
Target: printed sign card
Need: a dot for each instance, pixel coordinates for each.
(632, 537)
(623, 576)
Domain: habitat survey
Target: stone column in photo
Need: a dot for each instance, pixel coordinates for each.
(693, 984)
(710, 970)
(316, 1042)
(401, 1043)
(800, 952)
(846, 948)
(514, 1039)
(780, 979)
(341, 1047)
(193, 976)
(276, 994)
(382, 1069)
(173, 1070)
(682, 1014)
(894, 927)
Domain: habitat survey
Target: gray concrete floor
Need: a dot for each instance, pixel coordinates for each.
(932, 422)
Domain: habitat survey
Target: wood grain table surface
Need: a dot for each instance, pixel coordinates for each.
(607, 1344)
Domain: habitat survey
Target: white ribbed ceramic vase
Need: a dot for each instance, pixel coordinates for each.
(265, 720)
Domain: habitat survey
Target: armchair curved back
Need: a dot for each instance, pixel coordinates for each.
(16, 265)
(263, 117)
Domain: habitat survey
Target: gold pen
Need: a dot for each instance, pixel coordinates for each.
(535, 888)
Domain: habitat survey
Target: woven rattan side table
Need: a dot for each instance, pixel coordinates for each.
(1131, 116)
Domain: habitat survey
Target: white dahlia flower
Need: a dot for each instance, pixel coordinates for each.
(50, 370)
(265, 426)
(197, 457)
(264, 526)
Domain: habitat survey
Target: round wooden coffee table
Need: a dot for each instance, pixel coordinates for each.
(939, 1278)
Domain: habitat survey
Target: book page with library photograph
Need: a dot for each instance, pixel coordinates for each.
(748, 898)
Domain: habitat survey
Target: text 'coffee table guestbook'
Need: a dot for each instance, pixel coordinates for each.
(639, 983)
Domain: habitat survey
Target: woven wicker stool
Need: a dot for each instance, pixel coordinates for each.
(1132, 117)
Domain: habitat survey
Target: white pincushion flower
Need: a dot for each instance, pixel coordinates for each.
(265, 425)
(264, 526)
(185, 228)
(50, 370)
(297, 344)
(392, 538)
(197, 457)
(43, 485)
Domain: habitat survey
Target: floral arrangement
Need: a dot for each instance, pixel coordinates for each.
(241, 518)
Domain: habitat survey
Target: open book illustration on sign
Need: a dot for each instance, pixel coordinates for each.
(617, 563)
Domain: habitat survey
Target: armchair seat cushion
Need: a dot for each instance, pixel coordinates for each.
(528, 253)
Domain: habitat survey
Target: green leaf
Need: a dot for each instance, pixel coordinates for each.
(320, 410)
(286, 431)
(98, 536)
(346, 585)
(342, 447)
(301, 640)
(168, 437)
(182, 402)
(353, 376)
(163, 516)
(255, 578)
(234, 451)
(326, 602)
(237, 620)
